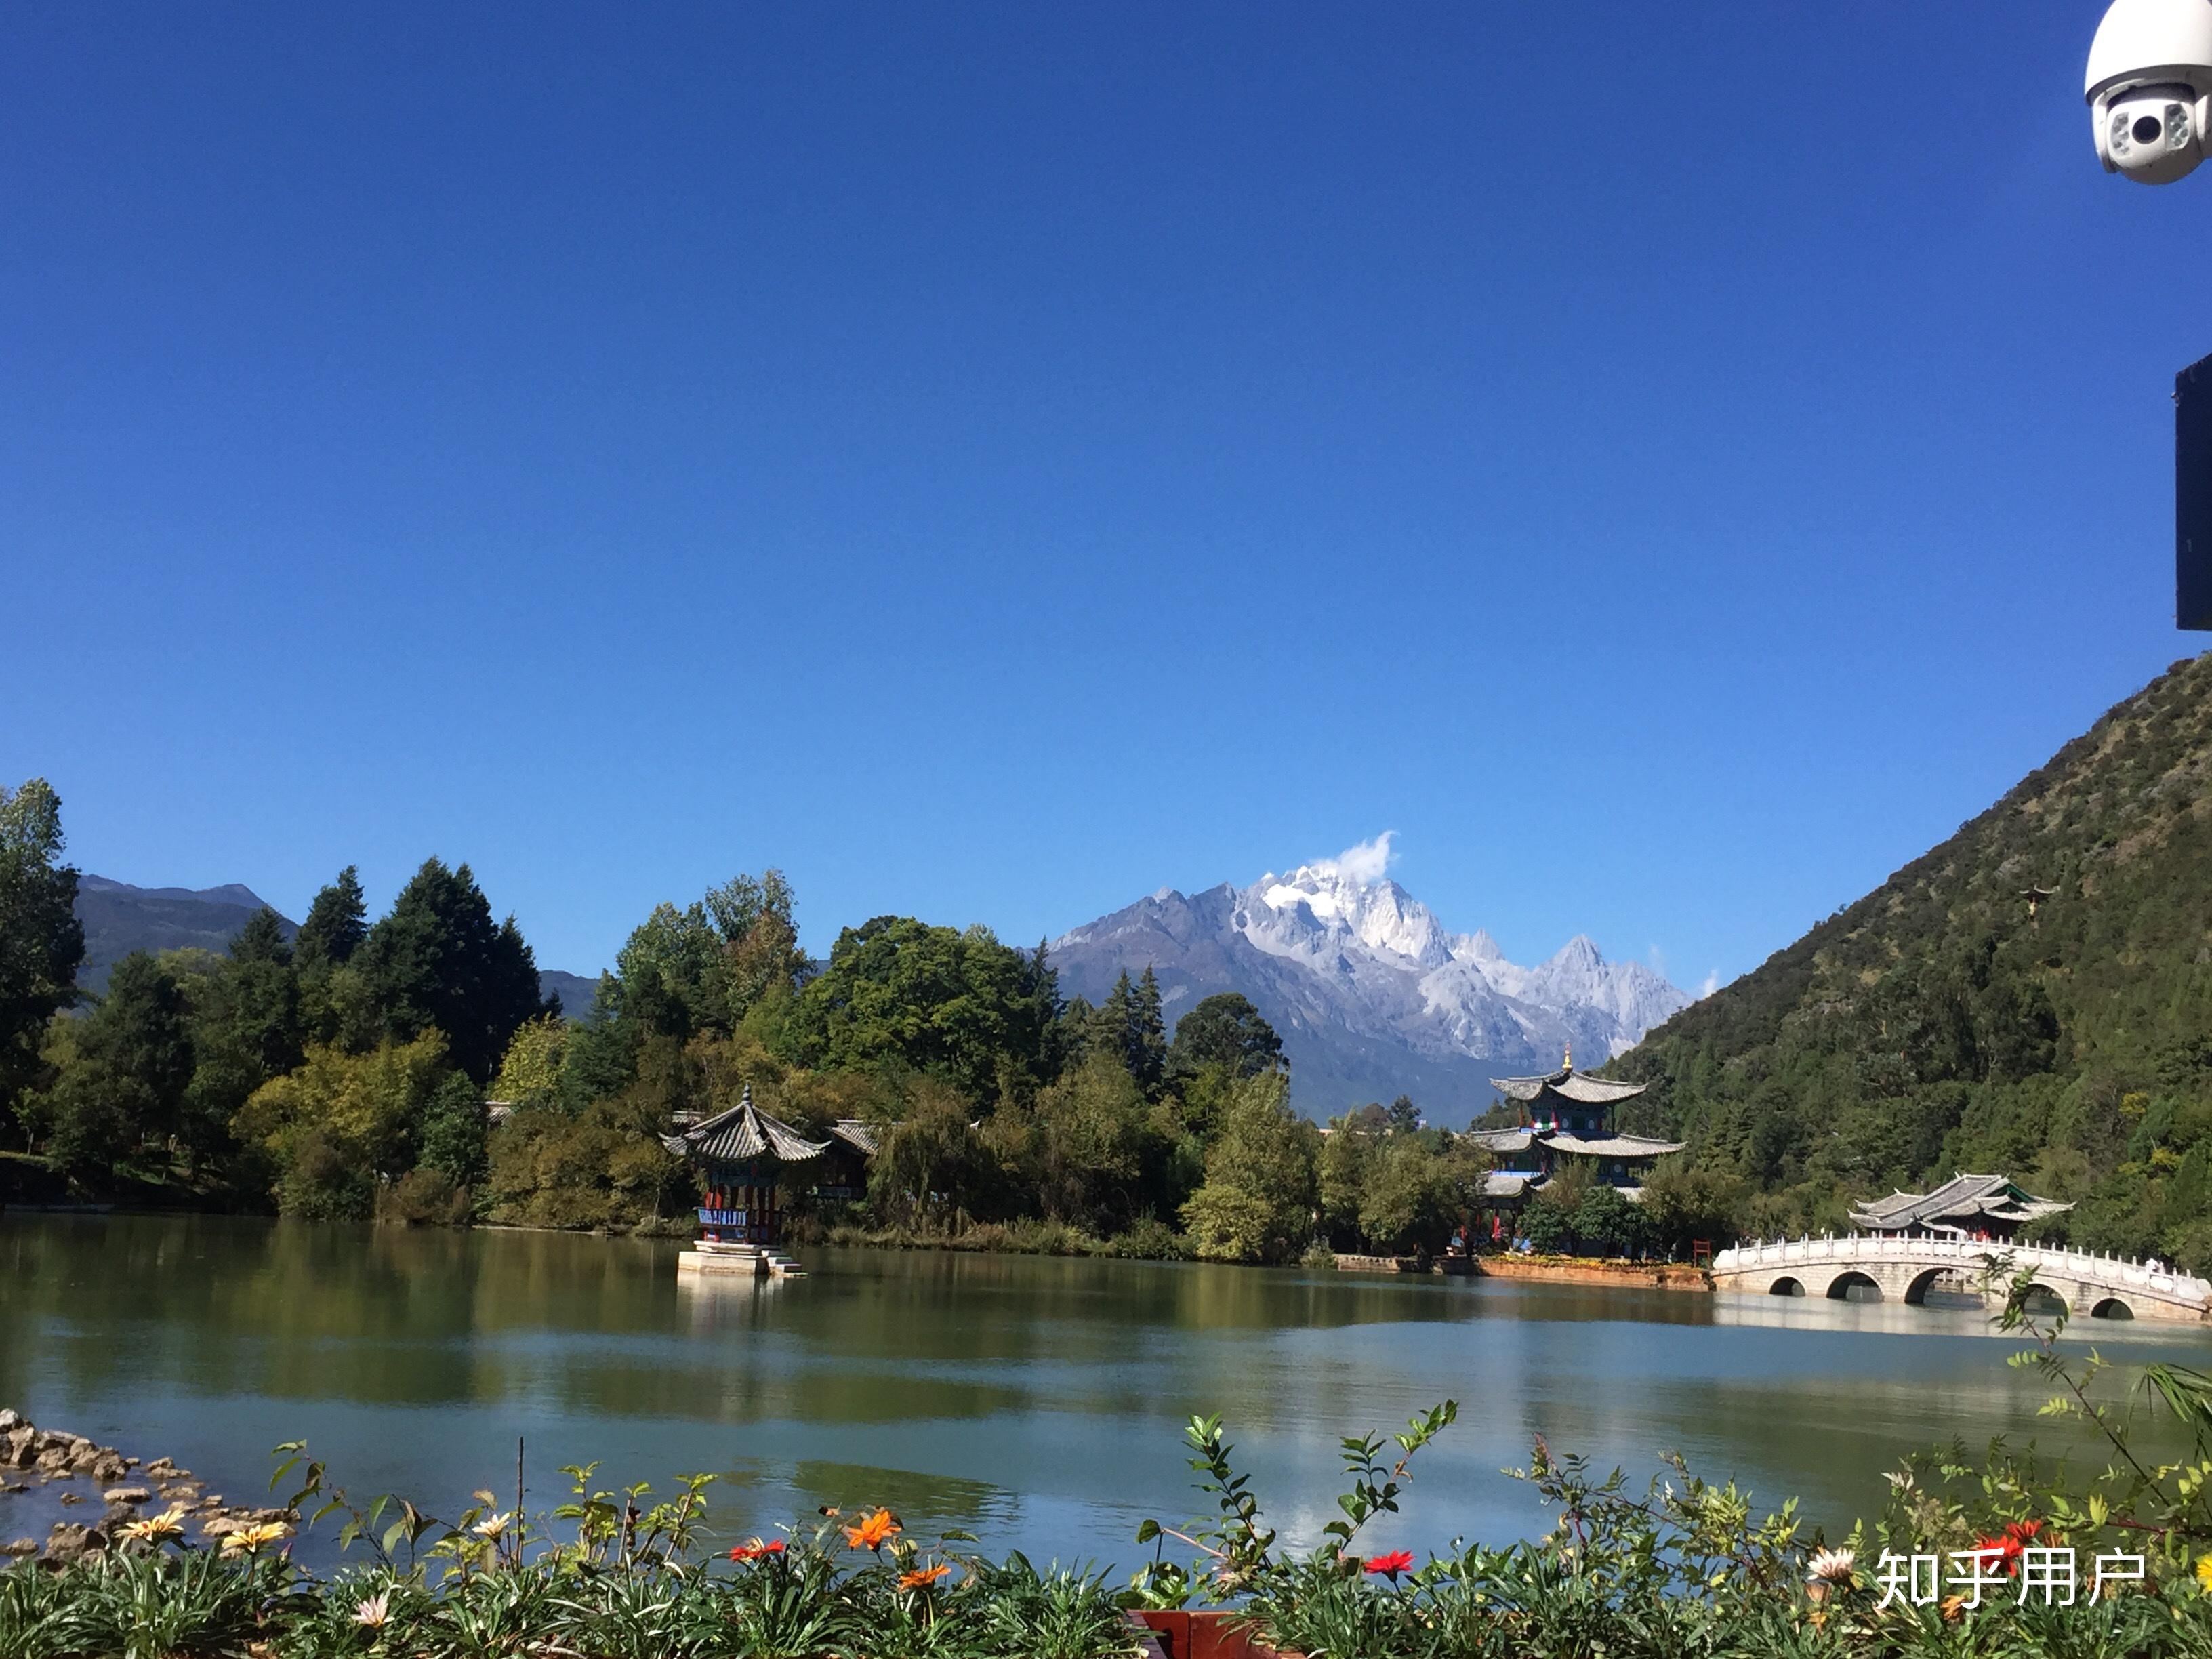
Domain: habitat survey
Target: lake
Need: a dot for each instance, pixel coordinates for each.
(1036, 1402)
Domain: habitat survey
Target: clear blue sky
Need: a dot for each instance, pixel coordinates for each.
(1671, 465)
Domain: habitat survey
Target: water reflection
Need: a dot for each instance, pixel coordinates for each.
(1031, 1401)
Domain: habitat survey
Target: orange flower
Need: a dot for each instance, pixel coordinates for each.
(756, 1548)
(922, 1577)
(872, 1531)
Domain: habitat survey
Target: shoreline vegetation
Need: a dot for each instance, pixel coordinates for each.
(1686, 1567)
(403, 1069)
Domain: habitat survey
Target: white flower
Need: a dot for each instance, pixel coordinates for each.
(1833, 1566)
(375, 1611)
(493, 1526)
(1900, 1478)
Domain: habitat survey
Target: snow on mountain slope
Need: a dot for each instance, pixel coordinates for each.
(1372, 994)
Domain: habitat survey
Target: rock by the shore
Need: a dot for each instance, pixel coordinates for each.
(70, 1542)
(125, 1495)
(21, 1547)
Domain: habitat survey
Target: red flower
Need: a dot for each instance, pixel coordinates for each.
(755, 1549)
(1396, 1562)
(2007, 1546)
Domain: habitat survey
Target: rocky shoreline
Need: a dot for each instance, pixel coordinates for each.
(125, 1487)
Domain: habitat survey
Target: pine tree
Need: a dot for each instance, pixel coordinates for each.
(337, 923)
(1147, 1039)
(439, 960)
(261, 939)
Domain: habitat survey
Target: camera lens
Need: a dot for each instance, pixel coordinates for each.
(2148, 128)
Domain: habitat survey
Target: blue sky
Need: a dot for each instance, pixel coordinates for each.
(1671, 465)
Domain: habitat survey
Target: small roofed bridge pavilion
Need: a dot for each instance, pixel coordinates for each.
(1903, 1269)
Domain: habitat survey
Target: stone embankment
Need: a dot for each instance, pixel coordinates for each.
(56, 1458)
(1558, 1270)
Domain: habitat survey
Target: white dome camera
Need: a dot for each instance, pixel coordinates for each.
(2150, 87)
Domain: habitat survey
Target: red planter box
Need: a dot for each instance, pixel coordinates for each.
(1184, 1635)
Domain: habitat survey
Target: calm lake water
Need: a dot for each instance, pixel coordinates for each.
(1036, 1402)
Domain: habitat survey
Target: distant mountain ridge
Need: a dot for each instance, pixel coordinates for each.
(118, 917)
(1372, 996)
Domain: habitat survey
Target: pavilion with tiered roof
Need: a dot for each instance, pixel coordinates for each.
(1566, 1114)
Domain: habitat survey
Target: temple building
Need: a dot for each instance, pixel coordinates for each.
(1965, 1206)
(1567, 1114)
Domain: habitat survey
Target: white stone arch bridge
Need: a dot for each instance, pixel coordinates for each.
(1905, 1269)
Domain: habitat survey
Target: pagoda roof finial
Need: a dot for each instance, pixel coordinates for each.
(1567, 1063)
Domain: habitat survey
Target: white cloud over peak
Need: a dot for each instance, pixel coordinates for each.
(1364, 863)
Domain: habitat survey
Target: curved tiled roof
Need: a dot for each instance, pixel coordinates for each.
(1567, 1084)
(856, 1133)
(1613, 1146)
(742, 1133)
(1964, 1197)
(1502, 1141)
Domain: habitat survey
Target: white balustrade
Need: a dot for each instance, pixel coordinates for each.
(2087, 1267)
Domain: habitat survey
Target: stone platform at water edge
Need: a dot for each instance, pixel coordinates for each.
(1905, 1269)
(732, 1260)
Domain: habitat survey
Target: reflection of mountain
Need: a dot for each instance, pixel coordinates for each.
(1373, 997)
(119, 919)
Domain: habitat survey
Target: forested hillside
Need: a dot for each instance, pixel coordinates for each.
(1947, 1022)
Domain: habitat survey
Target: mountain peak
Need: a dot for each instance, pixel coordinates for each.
(1372, 994)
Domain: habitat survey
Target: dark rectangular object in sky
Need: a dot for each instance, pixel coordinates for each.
(2192, 495)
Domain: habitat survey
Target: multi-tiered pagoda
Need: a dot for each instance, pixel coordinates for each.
(1567, 1114)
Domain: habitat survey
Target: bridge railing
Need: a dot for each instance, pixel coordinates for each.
(1843, 1249)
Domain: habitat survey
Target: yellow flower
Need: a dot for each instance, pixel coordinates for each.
(250, 1539)
(872, 1531)
(170, 1524)
(2204, 1572)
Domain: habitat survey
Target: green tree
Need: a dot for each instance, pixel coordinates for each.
(247, 1026)
(763, 963)
(529, 1073)
(332, 1127)
(454, 1130)
(952, 1004)
(41, 941)
(1091, 1145)
(931, 1166)
(1225, 1030)
(439, 961)
(1412, 1196)
(1257, 1204)
(1340, 1179)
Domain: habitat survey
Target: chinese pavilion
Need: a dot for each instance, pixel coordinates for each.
(1565, 1115)
(1965, 1206)
(747, 1161)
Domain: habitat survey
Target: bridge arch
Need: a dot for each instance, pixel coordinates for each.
(1841, 1286)
(2040, 1296)
(1915, 1293)
(2111, 1307)
(1786, 1285)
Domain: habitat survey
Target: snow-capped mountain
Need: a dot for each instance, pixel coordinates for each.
(1373, 995)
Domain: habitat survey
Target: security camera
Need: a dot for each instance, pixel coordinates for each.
(2150, 87)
